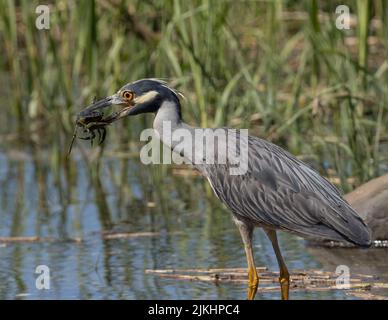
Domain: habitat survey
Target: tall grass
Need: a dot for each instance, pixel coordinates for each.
(280, 68)
(363, 30)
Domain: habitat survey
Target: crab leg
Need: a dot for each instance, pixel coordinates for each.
(72, 140)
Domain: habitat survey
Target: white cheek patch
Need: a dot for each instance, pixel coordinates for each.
(150, 95)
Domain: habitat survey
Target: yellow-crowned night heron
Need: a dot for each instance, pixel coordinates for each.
(276, 192)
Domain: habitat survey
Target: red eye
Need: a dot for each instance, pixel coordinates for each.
(128, 95)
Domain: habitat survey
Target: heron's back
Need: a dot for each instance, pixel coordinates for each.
(279, 191)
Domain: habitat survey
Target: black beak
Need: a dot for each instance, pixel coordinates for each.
(94, 108)
(94, 112)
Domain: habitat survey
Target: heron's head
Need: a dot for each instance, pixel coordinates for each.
(142, 96)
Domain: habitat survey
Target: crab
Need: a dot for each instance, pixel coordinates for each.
(90, 125)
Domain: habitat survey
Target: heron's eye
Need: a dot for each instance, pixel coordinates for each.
(127, 95)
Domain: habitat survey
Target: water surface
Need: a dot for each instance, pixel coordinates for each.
(186, 225)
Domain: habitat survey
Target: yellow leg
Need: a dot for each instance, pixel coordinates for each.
(284, 278)
(253, 278)
(246, 231)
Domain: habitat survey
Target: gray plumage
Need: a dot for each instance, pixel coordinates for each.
(281, 192)
(278, 191)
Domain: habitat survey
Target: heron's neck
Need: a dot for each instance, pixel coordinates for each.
(167, 120)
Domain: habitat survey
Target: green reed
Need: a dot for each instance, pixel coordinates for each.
(280, 68)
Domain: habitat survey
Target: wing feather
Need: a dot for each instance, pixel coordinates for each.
(280, 191)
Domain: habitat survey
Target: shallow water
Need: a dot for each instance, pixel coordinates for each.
(190, 229)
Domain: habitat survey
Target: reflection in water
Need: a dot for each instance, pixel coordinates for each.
(46, 196)
(373, 261)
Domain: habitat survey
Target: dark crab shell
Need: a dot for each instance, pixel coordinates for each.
(91, 124)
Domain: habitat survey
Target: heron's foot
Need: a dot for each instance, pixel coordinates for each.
(253, 283)
(285, 286)
(252, 289)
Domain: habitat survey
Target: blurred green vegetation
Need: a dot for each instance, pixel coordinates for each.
(280, 68)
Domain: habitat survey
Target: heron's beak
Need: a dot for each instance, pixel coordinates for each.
(94, 112)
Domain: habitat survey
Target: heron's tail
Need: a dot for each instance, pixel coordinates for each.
(360, 235)
(350, 225)
(339, 224)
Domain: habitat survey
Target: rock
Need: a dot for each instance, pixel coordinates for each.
(370, 200)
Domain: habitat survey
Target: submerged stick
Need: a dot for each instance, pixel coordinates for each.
(33, 239)
(125, 235)
(308, 280)
(214, 270)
